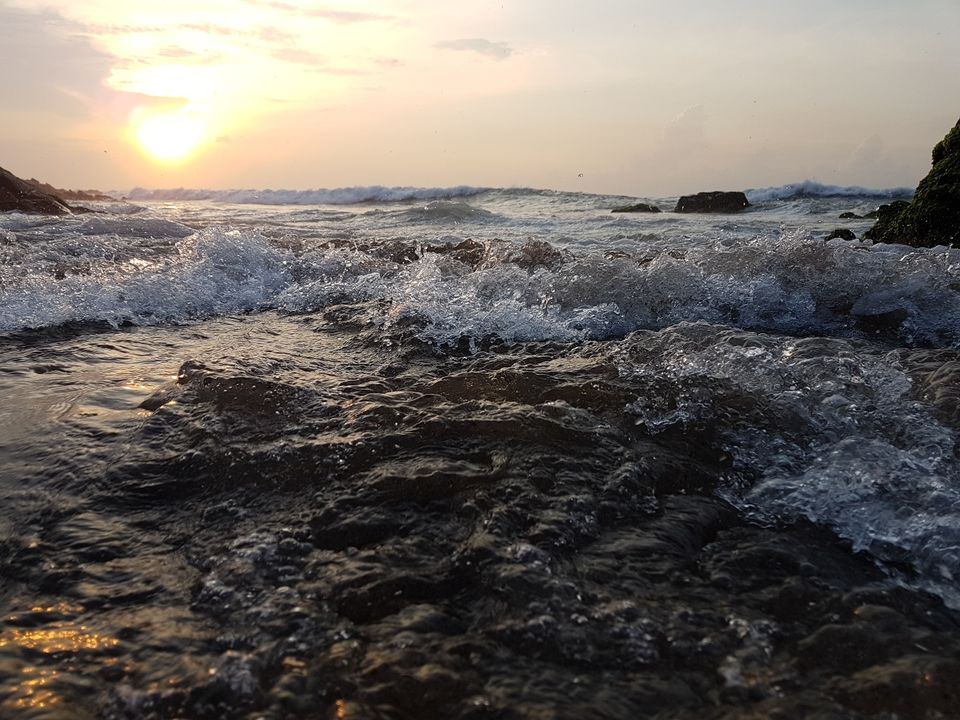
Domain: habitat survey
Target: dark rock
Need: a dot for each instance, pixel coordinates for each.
(887, 211)
(638, 208)
(712, 202)
(843, 234)
(933, 216)
(881, 322)
(68, 194)
(851, 216)
(18, 195)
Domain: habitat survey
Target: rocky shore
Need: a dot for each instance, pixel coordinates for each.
(33, 196)
(933, 216)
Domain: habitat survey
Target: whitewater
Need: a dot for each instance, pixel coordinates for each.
(475, 452)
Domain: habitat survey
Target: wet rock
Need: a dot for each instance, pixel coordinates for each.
(888, 321)
(872, 215)
(69, 194)
(538, 254)
(938, 383)
(843, 648)
(469, 252)
(842, 234)
(933, 216)
(17, 195)
(365, 528)
(637, 208)
(712, 202)
(912, 687)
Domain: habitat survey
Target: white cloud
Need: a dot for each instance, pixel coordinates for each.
(496, 50)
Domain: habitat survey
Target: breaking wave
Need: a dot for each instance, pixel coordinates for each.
(336, 196)
(794, 285)
(813, 189)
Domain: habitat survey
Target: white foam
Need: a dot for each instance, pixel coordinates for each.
(813, 189)
(819, 429)
(212, 273)
(337, 196)
(795, 284)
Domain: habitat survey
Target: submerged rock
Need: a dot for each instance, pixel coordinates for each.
(637, 208)
(843, 234)
(712, 202)
(872, 215)
(933, 216)
(17, 195)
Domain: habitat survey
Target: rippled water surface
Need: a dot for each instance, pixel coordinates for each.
(476, 454)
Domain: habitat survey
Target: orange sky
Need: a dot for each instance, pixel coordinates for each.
(639, 97)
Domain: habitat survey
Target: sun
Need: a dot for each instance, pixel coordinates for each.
(170, 137)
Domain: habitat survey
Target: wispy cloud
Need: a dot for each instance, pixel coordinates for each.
(495, 50)
(322, 12)
(183, 55)
(48, 65)
(319, 64)
(297, 56)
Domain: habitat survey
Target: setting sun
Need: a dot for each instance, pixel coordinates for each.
(170, 137)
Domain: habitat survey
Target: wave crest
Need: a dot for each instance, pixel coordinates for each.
(336, 196)
(813, 189)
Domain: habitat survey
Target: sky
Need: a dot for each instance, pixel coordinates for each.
(635, 97)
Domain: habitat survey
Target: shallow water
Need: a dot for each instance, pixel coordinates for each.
(476, 454)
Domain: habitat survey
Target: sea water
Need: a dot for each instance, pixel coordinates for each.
(474, 452)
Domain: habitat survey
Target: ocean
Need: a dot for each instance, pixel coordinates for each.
(476, 453)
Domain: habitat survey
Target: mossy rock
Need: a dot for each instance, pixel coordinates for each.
(933, 216)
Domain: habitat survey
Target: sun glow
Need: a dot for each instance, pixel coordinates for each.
(169, 137)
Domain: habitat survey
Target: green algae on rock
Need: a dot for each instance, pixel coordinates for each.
(933, 216)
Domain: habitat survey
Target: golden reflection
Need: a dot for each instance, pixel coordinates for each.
(60, 608)
(59, 639)
(32, 691)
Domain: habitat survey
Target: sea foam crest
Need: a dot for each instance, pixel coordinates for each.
(336, 196)
(214, 272)
(794, 284)
(813, 189)
(819, 428)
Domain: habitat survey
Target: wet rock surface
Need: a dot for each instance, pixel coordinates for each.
(637, 208)
(712, 202)
(316, 526)
(933, 216)
(842, 234)
(22, 196)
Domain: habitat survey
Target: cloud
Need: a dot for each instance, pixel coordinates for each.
(323, 13)
(46, 66)
(495, 50)
(191, 57)
(296, 56)
(317, 63)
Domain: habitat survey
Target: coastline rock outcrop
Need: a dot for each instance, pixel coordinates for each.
(49, 189)
(933, 216)
(637, 208)
(712, 202)
(18, 195)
